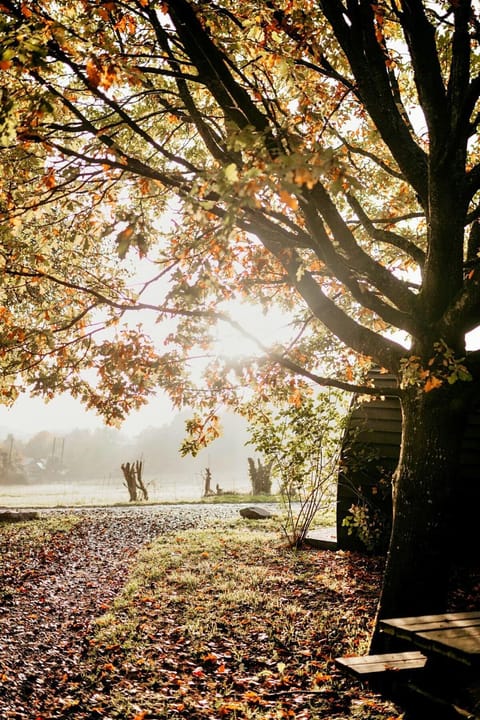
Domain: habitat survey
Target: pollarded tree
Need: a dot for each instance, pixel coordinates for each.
(319, 154)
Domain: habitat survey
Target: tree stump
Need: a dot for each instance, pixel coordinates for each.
(132, 472)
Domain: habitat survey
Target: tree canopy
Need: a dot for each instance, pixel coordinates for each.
(306, 154)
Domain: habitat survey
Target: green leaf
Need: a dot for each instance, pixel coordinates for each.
(231, 173)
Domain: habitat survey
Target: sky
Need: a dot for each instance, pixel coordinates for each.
(62, 414)
(31, 415)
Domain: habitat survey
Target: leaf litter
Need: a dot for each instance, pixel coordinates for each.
(233, 627)
(53, 584)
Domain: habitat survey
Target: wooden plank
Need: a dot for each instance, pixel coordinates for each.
(460, 642)
(365, 665)
(456, 635)
(423, 623)
(374, 422)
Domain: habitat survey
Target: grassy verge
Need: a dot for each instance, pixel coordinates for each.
(240, 498)
(226, 623)
(35, 498)
(32, 533)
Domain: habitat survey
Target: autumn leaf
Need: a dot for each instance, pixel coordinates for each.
(303, 176)
(123, 241)
(25, 10)
(252, 697)
(321, 678)
(230, 706)
(93, 72)
(49, 180)
(288, 199)
(211, 657)
(432, 383)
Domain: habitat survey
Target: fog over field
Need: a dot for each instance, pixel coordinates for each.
(83, 466)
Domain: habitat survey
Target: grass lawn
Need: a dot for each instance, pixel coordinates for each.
(228, 623)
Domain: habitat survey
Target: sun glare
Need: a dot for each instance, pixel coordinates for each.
(268, 328)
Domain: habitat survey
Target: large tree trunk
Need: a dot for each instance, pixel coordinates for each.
(425, 505)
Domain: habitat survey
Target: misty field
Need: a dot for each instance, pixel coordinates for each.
(104, 491)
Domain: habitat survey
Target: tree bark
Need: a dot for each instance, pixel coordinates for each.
(132, 473)
(425, 516)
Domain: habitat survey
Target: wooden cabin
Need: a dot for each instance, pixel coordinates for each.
(370, 452)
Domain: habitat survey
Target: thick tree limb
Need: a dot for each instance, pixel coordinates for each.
(367, 61)
(384, 236)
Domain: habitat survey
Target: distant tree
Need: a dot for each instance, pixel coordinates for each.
(12, 469)
(133, 475)
(207, 483)
(260, 476)
(40, 445)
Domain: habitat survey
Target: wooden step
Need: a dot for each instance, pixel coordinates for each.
(371, 665)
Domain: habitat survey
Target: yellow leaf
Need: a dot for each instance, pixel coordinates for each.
(231, 173)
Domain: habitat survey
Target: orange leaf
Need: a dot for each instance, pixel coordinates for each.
(320, 677)
(230, 706)
(211, 657)
(93, 72)
(288, 199)
(25, 10)
(49, 179)
(5, 64)
(251, 696)
(432, 383)
(303, 176)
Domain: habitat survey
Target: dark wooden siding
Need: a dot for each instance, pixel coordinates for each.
(370, 453)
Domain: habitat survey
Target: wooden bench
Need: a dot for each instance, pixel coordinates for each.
(439, 678)
(370, 666)
(399, 676)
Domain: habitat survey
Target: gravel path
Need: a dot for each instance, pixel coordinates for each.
(49, 599)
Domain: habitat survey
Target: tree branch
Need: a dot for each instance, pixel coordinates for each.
(376, 275)
(388, 237)
(420, 37)
(355, 31)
